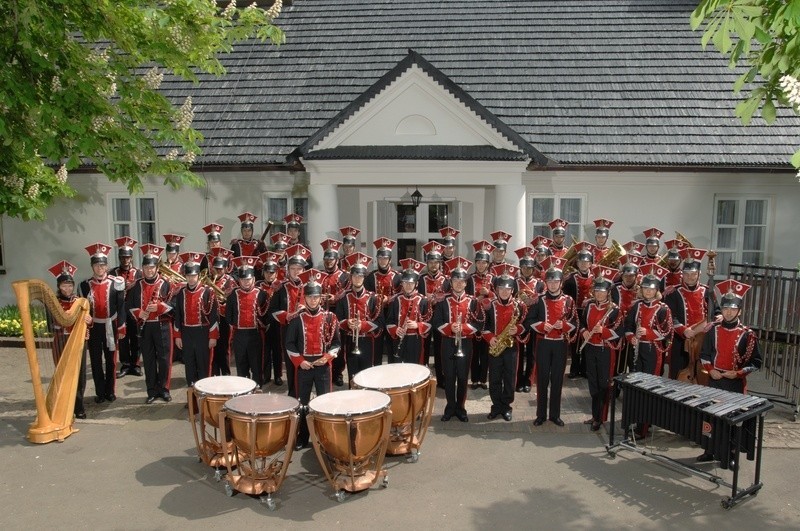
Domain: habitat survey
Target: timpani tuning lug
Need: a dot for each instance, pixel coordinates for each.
(229, 489)
(385, 482)
(414, 457)
(218, 473)
(269, 501)
(340, 495)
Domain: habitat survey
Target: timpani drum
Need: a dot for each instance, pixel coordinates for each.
(258, 433)
(412, 392)
(205, 400)
(350, 432)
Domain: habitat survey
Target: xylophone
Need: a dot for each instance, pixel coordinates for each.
(723, 423)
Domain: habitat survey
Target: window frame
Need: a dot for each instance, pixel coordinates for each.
(278, 224)
(738, 249)
(574, 228)
(134, 222)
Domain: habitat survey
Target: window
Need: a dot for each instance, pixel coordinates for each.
(545, 209)
(740, 231)
(134, 217)
(277, 206)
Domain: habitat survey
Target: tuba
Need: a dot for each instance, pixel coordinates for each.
(570, 256)
(55, 409)
(171, 276)
(662, 262)
(206, 281)
(612, 256)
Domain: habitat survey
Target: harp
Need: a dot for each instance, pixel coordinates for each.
(54, 410)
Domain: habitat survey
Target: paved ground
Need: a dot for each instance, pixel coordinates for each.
(133, 466)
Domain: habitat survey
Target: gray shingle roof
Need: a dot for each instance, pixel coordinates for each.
(621, 82)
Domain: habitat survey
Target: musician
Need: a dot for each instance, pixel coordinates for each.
(129, 345)
(349, 235)
(730, 349)
(458, 317)
(449, 235)
(648, 324)
(529, 287)
(384, 281)
(504, 319)
(280, 242)
(579, 287)
(172, 248)
(287, 300)
(541, 247)
(433, 286)
(311, 341)
(480, 286)
(360, 318)
(500, 241)
(213, 240)
(195, 321)
(273, 353)
(246, 310)
(333, 286)
(558, 228)
(247, 245)
(406, 317)
(691, 303)
(106, 295)
(623, 294)
(555, 321)
(602, 228)
(65, 286)
(220, 362)
(652, 244)
(674, 276)
(150, 307)
(602, 326)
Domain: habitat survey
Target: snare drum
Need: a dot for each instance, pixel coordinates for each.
(258, 433)
(412, 392)
(350, 432)
(205, 400)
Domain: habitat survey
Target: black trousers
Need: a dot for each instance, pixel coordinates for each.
(155, 347)
(502, 377)
(551, 360)
(129, 345)
(577, 365)
(455, 371)
(678, 357)
(525, 364)
(648, 359)
(59, 342)
(318, 379)
(598, 367)
(220, 364)
(103, 360)
(411, 350)
(273, 357)
(196, 354)
(433, 347)
(358, 362)
(248, 350)
(479, 369)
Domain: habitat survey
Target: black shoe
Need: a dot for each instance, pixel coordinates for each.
(339, 382)
(527, 388)
(492, 415)
(80, 415)
(520, 389)
(573, 375)
(268, 380)
(538, 422)
(446, 417)
(99, 399)
(596, 426)
(279, 381)
(150, 400)
(483, 385)
(558, 422)
(705, 458)
(111, 397)
(135, 370)
(507, 416)
(124, 371)
(474, 385)
(462, 417)
(166, 397)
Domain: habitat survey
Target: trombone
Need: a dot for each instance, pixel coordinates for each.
(172, 276)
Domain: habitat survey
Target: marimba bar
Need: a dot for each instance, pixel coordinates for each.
(721, 422)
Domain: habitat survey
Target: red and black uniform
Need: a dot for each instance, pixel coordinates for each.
(466, 310)
(579, 287)
(731, 346)
(128, 345)
(600, 351)
(655, 317)
(672, 279)
(479, 285)
(273, 353)
(624, 297)
(411, 348)
(107, 299)
(503, 368)
(251, 247)
(385, 284)
(284, 304)
(533, 287)
(155, 336)
(195, 323)
(558, 250)
(312, 337)
(221, 357)
(60, 336)
(434, 288)
(551, 348)
(690, 308)
(362, 305)
(246, 311)
(333, 286)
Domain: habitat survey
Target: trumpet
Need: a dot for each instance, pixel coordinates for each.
(205, 280)
(356, 351)
(172, 276)
(459, 352)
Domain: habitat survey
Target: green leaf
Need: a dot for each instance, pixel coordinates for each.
(768, 111)
(796, 159)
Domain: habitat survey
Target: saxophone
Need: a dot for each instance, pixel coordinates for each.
(505, 339)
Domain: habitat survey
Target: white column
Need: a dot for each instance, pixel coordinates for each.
(509, 215)
(323, 213)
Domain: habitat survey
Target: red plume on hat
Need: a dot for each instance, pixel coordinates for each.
(449, 232)
(602, 224)
(350, 232)
(553, 262)
(604, 271)
(653, 233)
(126, 241)
(247, 218)
(151, 249)
(414, 265)
(500, 236)
(245, 261)
(293, 219)
(227, 254)
(731, 286)
(633, 247)
(98, 249)
(655, 270)
(522, 252)
(459, 262)
(676, 244)
(384, 243)
(505, 269)
(331, 244)
(174, 239)
(312, 276)
(483, 245)
(280, 238)
(432, 247)
(213, 228)
(541, 241)
(358, 259)
(63, 268)
(558, 224)
(192, 258)
(298, 250)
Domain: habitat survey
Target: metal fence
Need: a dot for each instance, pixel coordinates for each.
(772, 310)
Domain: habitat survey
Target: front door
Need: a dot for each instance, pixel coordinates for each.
(414, 227)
